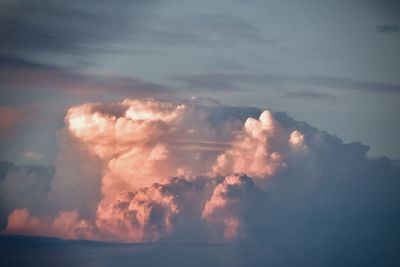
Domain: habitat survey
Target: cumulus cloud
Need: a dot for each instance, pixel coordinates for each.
(150, 170)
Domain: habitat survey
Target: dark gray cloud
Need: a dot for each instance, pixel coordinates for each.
(76, 27)
(312, 96)
(63, 26)
(388, 28)
(348, 83)
(18, 63)
(19, 74)
(226, 81)
(235, 81)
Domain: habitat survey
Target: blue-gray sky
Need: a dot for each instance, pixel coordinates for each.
(284, 192)
(334, 64)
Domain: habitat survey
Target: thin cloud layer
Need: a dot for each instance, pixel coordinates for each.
(150, 170)
(238, 81)
(19, 73)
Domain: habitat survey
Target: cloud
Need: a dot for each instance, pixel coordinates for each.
(18, 63)
(198, 29)
(225, 205)
(237, 81)
(311, 95)
(134, 144)
(23, 186)
(226, 81)
(64, 27)
(388, 28)
(10, 119)
(20, 74)
(145, 215)
(66, 224)
(350, 84)
(75, 28)
(144, 172)
(32, 155)
(256, 151)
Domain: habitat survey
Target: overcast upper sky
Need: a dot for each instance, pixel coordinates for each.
(334, 64)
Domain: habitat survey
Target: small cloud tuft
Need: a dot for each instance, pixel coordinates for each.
(388, 28)
(32, 155)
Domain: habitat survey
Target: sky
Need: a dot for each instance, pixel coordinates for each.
(333, 64)
(265, 124)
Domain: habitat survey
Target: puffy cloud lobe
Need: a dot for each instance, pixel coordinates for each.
(145, 215)
(260, 150)
(296, 138)
(121, 125)
(225, 205)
